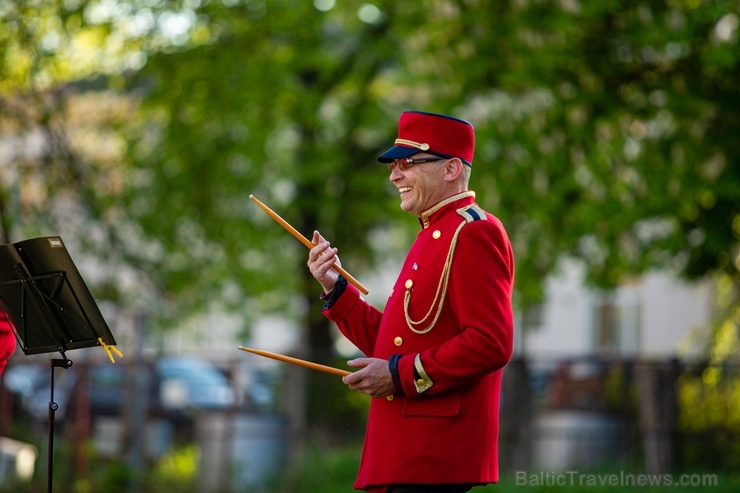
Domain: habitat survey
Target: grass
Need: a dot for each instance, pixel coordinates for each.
(333, 471)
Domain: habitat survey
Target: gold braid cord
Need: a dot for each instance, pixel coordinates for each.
(439, 296)
(421, 146)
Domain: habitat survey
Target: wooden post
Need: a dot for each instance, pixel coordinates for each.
(516, 417)
(657, 406)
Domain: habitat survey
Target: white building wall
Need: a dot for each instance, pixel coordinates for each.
(658, 313)
(566, 318)
(672, 309)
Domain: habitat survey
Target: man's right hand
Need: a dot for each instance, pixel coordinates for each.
(321, 258)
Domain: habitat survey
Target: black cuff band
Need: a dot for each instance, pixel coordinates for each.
(332, 297)
(393, 367)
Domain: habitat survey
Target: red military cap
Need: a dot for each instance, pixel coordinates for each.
(441, 135)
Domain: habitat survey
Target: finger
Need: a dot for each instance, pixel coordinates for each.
(319, 250)
(351, 379)
(359, 362)
(324, 262)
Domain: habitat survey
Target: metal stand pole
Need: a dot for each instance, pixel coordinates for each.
(53, 406)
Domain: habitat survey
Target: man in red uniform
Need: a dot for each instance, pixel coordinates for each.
(436, 352)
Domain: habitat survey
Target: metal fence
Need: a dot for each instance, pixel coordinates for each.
(593, 412)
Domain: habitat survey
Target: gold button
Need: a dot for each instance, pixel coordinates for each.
(420, 382)
(409, 283)
(389, 397)
(397, 341)
(391, 293)
(437, 233)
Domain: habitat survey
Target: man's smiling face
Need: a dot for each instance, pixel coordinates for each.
(420, 186)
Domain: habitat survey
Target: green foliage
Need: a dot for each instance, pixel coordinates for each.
(605, 115)
(266, 104)
(334, 411)
(177, 471)
(709, 420)
(709, 397)
(325, 471)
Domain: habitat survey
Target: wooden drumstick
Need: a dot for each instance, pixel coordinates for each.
(296, 361)
(307, 243)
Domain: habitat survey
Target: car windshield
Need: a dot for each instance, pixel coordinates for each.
(192, 370)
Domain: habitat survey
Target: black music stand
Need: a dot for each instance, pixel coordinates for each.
(50, 307)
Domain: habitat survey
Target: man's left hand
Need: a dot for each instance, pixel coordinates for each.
(374, 378)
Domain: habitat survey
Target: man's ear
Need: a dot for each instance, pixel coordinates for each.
(453, 168)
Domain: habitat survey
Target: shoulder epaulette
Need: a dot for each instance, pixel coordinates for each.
(472, 213)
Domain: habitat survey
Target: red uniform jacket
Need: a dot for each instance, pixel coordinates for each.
(449, 315)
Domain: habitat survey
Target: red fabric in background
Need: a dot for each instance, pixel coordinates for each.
(7, 341)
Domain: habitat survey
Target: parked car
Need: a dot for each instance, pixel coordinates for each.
(173, 387)
(29, 384)
(190, 383)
